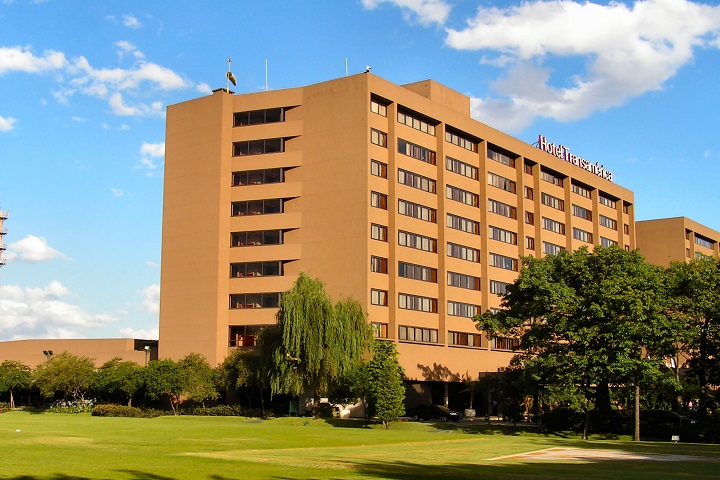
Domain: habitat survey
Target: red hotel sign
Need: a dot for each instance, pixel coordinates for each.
(563, 153)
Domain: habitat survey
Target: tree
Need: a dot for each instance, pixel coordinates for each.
(14, 375)
(242, 370)
(118, 378)
(68, 373)
(584, 319)
(316, 341)
(199, 378)
(386, 391)
(164, 379)
(693, 291)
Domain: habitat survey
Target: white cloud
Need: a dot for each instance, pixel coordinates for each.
(32, 249)
(141, 333)
(44, 313)
(153, 149)
(628, 51)
(151, 299)
(131, 22)
(426, 11)
(203, 88)
(117, 192)
(152, 264)
(7, 123)
(79, 76)
(21, 59)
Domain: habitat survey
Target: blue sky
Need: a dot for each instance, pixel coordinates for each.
(84, 86)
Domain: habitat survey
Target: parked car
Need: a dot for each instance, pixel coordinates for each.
(433, 412)
(664, 424)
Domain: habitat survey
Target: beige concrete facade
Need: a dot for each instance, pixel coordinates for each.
(677, 239)
(392, 195)
(36, 351)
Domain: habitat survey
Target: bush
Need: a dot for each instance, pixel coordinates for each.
(225, 411)
(61, 406)
(110, 410)
(4, 407)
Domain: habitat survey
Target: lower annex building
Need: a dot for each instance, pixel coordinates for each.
(392, 195)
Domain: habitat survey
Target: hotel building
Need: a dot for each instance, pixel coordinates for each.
(677, 239)
(392, 195)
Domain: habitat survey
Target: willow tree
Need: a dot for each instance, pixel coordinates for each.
(316, 342)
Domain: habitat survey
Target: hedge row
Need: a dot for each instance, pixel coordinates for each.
(109, 410)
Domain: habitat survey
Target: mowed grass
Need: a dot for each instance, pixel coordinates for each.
(64, 447)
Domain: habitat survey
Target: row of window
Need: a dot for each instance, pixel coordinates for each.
(258, 177)
(256, 269)
(257, 207)
(258, 117)
(415, 121)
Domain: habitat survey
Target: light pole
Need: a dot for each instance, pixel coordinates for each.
(147, 354)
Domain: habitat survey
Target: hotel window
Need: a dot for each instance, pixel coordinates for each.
(417, 334)
(378, 138)
(552, 202)
(462, 196)
(258, 117)
(258, 147)
(703, 242)
(582, 235)
(417, 303)
(529, 193)
(257, 177)
(461, 168)
(416, 151)
(505, 343)
(459, 309)
(417, 272)
(378, 106)
(378, 200)
(463, 253)
(505, 236)
(464, 224)
(415, 210)
(501, 261)
(626, 208)
(551, 248)
(462, 141)
(254, 300)
(530, 243)
(256, 238)
(256, 269)
(380, 330)
(501, 182)
(418, 242)
(580, 190)
(503, 209)
(553, 225)
(529, 218)
(500, 157)
(378, 232)
(378, 169)
(416, 181)
(378, 265)
(687, 234)
(498, 288)
(553, 178)
(257, 207)
(687, 252)
(528, 167)
(243, 336)
(626, 229)
(581, 212)
(465, 339)
(606, 242)
(463, 281)
(379, 297)
(607, 201)
(415, 121)
(608, 222)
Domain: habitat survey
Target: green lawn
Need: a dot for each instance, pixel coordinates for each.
(61, 446)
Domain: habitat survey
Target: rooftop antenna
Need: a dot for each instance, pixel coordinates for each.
(266, 75)
(230, 77)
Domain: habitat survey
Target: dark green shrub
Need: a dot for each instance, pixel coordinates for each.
(4, 407)
(110, 410)
(225, 411)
